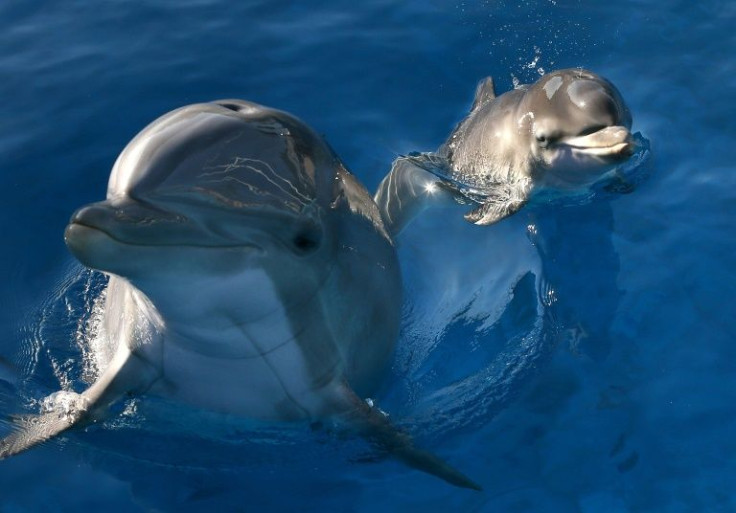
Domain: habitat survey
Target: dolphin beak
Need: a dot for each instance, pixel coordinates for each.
(119, 236)
(130, 221)
(612, 142)
(126, 222)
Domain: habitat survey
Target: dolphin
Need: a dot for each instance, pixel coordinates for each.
(249, 273)
(561, 134)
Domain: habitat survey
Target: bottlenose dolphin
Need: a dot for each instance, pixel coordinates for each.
(562, 134)
(249, 273)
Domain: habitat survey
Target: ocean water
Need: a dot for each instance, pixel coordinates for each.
(577, 357)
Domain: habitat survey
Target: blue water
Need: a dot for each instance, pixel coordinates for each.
(575, 358)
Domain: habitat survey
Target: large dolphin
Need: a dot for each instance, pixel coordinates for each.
(250, 273)
(562, 134)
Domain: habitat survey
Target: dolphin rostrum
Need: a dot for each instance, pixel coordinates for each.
(562, 134)
(249, 273)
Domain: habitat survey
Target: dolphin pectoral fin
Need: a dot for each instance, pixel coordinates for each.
(375, 426)
(431, 162)
(492, 212)
(125, 373)
(31, 430)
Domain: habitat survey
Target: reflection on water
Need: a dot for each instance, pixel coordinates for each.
(477, 320)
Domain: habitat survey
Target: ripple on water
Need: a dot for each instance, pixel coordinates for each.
(54, 341)
(472, 334)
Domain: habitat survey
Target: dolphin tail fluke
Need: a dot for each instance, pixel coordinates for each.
(375, 426)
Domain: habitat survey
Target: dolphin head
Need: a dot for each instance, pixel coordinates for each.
(578, 126)
(213, 202)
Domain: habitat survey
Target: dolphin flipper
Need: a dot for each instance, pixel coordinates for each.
(492, 212)
(374, 425)
(31, 430)
(126, 373)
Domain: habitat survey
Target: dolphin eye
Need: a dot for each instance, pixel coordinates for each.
(305, 242)
(546, 135)
(544, 139)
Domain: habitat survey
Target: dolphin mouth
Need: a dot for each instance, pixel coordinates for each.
(77, 229)
(145, 226)
(611, 141)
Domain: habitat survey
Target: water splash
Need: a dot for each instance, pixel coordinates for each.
(533, 64)
(53, 341)
(67, 405)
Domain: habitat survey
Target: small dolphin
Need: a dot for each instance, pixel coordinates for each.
(562, 133)
(250, 273)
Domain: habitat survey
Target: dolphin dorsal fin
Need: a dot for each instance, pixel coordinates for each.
(484, 93)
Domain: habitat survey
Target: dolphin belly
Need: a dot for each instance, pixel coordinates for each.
(259, 387)
(263, 368)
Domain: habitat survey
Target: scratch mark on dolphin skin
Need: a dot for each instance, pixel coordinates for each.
(258, 192)
(259, 353)
(242, 162)
(275, 374)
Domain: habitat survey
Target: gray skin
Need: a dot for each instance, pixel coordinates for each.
(561, 134)
(250, 273)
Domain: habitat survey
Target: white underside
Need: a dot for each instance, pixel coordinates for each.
(263, 373)
(255, 369)
(272, 387)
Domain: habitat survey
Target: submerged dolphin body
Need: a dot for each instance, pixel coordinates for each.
(250, 273)
(562, 134)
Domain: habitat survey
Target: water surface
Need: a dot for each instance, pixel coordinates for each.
(615, 316)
